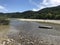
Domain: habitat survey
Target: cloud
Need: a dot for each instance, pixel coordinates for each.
(44, 4)
(3, 9)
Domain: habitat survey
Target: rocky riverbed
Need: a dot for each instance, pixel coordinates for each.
(28, 33)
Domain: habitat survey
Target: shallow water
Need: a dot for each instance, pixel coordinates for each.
(28, 29)
(32, 27)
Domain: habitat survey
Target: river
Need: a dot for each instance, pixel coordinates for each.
(29, 29)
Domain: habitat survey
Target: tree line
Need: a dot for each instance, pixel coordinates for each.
(46, 13)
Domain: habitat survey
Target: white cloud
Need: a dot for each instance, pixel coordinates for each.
(50, 3)
(44, 4)
(3, 9)
(35, 9)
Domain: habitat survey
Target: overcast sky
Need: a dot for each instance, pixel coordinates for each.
(23, 5)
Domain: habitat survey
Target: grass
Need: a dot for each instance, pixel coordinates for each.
(4, 22)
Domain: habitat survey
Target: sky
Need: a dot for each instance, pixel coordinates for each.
(24, 5)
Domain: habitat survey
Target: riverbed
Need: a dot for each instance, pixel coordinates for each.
(28, 31)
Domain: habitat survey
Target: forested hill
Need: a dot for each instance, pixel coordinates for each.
(46, 13)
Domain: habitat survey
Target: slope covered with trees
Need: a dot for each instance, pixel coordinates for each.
(46, 13)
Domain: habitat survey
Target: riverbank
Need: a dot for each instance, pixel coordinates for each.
(4, 22)
(41, 20)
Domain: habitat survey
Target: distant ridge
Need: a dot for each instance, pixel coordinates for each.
(46, 13)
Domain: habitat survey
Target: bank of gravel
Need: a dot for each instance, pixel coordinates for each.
(41, 20)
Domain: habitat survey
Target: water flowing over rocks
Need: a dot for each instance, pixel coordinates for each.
(28, 33)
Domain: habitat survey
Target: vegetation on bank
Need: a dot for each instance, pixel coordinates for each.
(4, 20)
(46, 13)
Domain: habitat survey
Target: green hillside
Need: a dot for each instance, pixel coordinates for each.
(46, 13)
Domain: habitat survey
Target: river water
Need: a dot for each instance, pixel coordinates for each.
(26, 28)
(33, 27)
